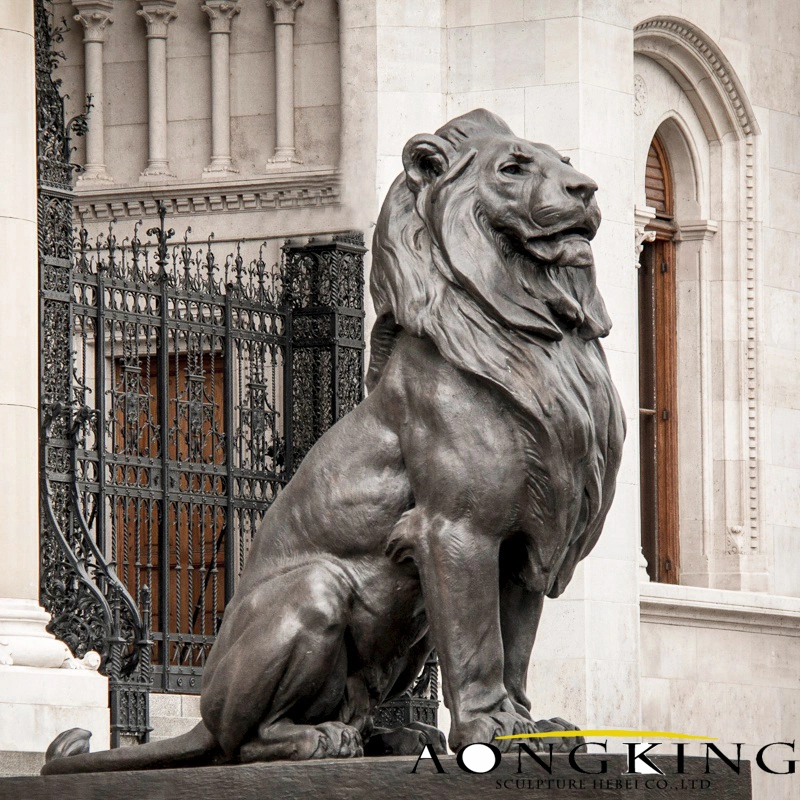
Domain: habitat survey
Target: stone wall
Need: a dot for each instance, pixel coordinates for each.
(723, 664)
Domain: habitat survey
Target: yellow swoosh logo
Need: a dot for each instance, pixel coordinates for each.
(607, 732)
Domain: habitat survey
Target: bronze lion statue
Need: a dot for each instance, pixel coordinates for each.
(440, 512)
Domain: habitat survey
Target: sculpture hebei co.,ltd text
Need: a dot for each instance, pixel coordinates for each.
(443, 509)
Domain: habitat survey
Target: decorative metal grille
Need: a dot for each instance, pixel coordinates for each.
(419, 704)
(325, 290)
(182, 362)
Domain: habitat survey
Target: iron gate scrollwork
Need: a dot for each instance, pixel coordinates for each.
(184, 369)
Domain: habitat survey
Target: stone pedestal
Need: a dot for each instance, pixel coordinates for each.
(392, 779)
(37, 704)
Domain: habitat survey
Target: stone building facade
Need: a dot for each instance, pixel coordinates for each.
(272, 119)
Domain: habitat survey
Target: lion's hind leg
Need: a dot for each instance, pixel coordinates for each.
(283, 657)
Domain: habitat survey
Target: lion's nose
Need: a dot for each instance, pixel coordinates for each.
(582, 186)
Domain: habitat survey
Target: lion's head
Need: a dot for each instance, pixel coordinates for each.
(484, 230)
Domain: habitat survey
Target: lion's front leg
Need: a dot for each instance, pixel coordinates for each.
(458, 566)
(520, 611)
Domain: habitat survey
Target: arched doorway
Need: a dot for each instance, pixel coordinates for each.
(658, 431)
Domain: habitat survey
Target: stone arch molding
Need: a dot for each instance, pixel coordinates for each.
(715, 92)
(685, 51)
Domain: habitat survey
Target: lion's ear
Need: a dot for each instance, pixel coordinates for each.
(425, 158)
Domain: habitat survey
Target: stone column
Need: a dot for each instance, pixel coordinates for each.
(221, 14)
(285, 151)
(95, 16)
(23, 639)
(157, 14)
(36, 701)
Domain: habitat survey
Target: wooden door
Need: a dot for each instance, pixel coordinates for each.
(658, 428)
(196, 525)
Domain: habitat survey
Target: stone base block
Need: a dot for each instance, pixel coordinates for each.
(37, 704)
(392, 779)
(18, 763)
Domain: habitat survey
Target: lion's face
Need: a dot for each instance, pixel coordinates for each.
(487, 226)
(532, 195)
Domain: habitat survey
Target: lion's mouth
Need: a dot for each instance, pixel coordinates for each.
(565, 247)
(565, 235)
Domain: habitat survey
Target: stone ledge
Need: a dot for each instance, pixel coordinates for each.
(61, 687)
(391, 779)
(701, 607)
(36, 704)
(281, 190)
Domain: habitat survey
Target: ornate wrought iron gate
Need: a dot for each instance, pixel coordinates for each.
(197, 385)
(91, 609)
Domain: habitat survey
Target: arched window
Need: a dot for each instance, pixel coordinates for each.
(696, 172)
(658, 431)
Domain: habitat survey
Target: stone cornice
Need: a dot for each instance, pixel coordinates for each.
(290, 190)
(701, 229)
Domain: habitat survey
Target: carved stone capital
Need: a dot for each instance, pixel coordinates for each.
(642, 216)
(95, 16)
(697, 230)
(284, 10)
(221, 14)
(642, 236)
(157, 14)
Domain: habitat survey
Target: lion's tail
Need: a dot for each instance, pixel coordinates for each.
(68, 753)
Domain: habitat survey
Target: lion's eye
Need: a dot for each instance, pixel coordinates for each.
(511, 169)
(566, 160)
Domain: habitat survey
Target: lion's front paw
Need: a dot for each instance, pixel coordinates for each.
(487, 727)
(561, 744)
